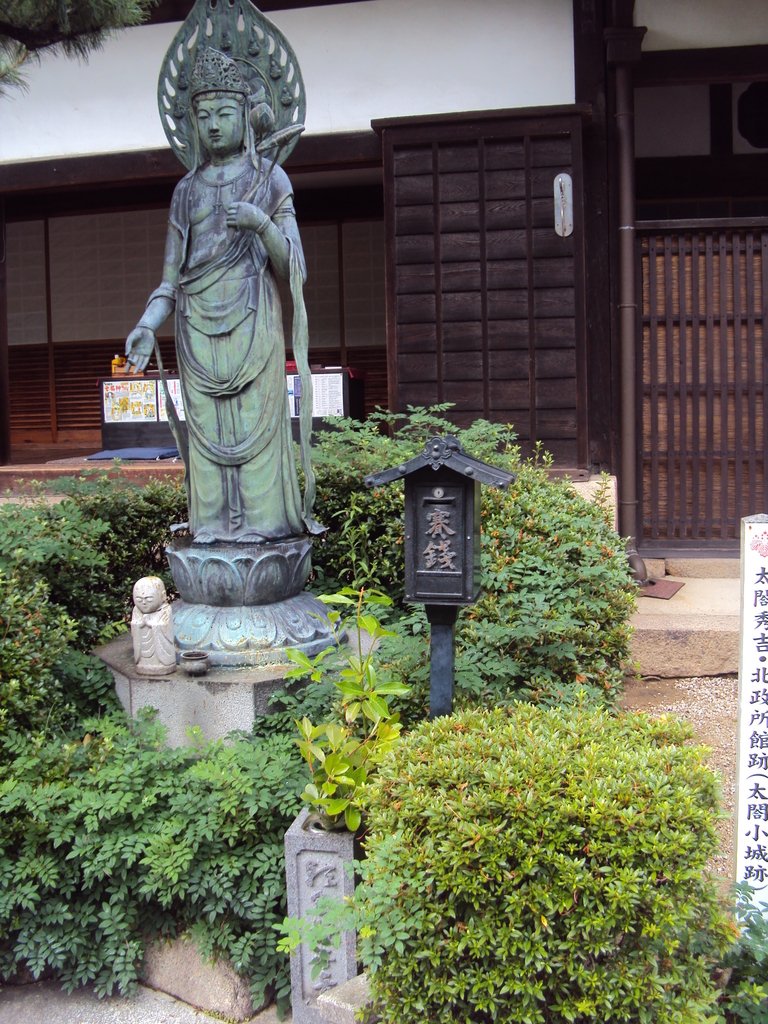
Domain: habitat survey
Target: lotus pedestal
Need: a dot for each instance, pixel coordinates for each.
(244, 604)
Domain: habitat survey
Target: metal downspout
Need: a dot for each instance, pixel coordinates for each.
(628, 500)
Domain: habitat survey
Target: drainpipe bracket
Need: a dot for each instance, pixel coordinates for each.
(623, 45)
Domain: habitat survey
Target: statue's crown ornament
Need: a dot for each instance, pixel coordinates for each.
(215, 72)
(231, 47)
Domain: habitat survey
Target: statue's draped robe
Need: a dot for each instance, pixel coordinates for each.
(242, 476)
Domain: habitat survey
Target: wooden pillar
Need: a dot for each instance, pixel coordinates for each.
(5, 391)
(590, 75)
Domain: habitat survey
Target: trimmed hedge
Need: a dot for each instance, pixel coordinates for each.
(542, 867)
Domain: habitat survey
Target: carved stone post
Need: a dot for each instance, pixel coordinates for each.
(317, 863)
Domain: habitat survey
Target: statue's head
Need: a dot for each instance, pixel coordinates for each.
(220, 123)
(232, 48)
(219, 97)
(149, 594)
(230, 114)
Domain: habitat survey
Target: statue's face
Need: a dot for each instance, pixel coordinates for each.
(220, 123)
(149, 594)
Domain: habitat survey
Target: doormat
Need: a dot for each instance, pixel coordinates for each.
(136, 454)
(662, 589)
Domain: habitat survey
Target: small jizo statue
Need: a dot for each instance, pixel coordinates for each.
(152, 628)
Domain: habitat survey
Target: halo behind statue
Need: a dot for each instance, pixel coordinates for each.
(263, 57)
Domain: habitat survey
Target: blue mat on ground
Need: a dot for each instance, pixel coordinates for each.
(136, 454)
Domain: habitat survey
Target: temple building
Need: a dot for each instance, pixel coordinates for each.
(552, 214)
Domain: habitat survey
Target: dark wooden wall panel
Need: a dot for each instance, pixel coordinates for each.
(74, 411)
(485, 298)
(30, 409)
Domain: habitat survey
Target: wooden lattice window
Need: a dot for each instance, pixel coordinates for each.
(703, 379)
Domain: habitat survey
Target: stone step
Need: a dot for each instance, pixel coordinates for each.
(19, 480)
(700, 568)
(693, 633)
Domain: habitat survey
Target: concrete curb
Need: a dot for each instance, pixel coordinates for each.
(44, 1002)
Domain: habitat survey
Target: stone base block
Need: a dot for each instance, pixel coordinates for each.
(348, 1003)
(177, 969)
(223, 700)
(656, 568)
(704, 568)
(682, 646)
(317, 864)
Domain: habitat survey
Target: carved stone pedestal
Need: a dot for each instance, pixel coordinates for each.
(219, 702)
(252, 635)
(317, 863)
(243, 604)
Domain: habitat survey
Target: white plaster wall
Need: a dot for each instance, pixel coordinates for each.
(360, 61)
(693, 24)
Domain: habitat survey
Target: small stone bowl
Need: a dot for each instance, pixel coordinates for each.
(194, 663)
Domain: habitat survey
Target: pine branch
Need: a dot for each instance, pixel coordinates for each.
(43, 29)
(12, 57)
(76, 27)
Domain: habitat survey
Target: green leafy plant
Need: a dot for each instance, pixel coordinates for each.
(91, 547)
(557, 593)
(138, 524)
(542, 866)
(745, 967)
(46, 684)
(66, 575)
(59, 545)
(108, 839)
(34, 636)
(342, 755)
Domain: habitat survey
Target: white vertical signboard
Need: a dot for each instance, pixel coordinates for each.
(752, 812)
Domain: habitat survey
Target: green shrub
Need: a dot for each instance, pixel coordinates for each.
(46, 685)
(66, 577)
(557, 593)
(34, 635)
(59, 545)
(745, 968)
(138, 522)
(532, 865)
(110, 839)
(557, 596)
(91, 547)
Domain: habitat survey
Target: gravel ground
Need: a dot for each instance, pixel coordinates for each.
(710, 704)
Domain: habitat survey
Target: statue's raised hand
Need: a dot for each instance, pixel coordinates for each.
(139, 346)
(247, 217)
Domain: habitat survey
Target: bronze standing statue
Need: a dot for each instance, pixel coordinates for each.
(231, 99)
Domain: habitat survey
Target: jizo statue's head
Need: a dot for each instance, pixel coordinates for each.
(149, 594)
